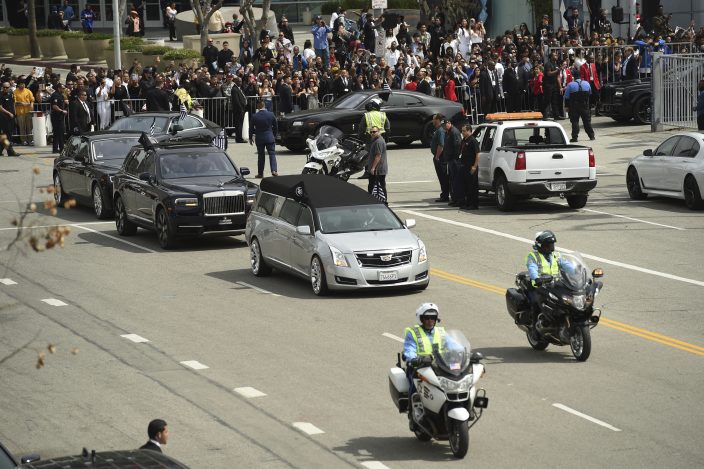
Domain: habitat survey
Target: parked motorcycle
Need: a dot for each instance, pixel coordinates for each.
(331, 153)
(565, 314)
(446, 402)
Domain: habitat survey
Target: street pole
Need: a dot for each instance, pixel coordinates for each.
(116, 33)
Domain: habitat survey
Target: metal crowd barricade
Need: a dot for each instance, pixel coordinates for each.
(674, 90)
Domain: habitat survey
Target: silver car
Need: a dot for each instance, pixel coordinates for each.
(334, 234)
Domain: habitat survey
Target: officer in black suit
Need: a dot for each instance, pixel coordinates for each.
(80, 116)
(157, 98)
(158, 433)
(58, 118)
(263, 129)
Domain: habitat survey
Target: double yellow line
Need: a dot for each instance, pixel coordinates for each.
(637, 331)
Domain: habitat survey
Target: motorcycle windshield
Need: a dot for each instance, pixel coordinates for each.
(327, 137)
(453, 355)
(574, 272)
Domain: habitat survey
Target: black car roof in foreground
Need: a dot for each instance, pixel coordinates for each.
(317, 190)
(134, 459)
(111, 133)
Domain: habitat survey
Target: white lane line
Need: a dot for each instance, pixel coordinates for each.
(308, 428)
(54, 302)
(113, 238)
(530, 241)
(7, 281)
(375, 465)
(392, 337)
(407, 182)
(137, 339)
(260, 290)
(586, 417)
(633, 219)
(249, 392)
(36, 227)
(196, 365)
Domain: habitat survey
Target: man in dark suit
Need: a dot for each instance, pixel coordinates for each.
(157, 98)
(263, 130)
(158, 435)
(487, 90)
(285, 96)
(80, 116)
(342, 84)
(512, 88)
(629, 68)
(239, 107)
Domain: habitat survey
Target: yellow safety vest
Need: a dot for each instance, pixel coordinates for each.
(375, 119)
(545, 267)
(423, 345)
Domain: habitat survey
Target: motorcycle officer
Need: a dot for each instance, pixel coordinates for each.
(374, 117)
(420, 339)
(543, 260)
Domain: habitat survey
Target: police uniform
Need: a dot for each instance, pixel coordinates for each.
(7, 123)
(423, 341)
(577, 95)
(58, 120)
(372, 119)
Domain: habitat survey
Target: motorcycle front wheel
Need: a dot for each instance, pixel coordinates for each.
(459, 438)
(581, 343)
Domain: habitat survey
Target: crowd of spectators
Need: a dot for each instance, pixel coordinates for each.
(516, 70)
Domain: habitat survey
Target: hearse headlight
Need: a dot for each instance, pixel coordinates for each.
(422, 254)
(338, 258)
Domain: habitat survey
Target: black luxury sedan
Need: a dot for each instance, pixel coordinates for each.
(410, 114)
(86, 166)
(171, 123)
(181, 189)
(626, 100)
(132, 459)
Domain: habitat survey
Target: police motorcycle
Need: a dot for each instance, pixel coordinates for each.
(446, 402)
(330, 152)
(565, 314)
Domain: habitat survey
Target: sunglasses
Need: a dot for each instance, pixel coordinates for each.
(428, 318)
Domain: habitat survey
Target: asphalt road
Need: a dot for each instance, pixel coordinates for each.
(314, 369)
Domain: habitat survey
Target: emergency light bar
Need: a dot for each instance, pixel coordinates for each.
(513, 116)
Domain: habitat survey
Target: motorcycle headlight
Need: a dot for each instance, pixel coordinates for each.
(578, 301)
(338, 258)
(462, 385)
(422, 254)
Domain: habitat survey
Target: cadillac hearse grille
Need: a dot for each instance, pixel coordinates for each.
(383, 259)
(223, 203)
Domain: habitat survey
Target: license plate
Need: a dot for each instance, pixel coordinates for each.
(389, 275)
(225, 221)
(558, 186)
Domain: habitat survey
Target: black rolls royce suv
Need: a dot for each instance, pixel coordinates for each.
(181, 189)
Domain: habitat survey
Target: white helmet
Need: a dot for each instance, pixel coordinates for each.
(427, 309)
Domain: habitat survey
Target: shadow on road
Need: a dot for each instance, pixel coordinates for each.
(398, 448)
(553, 354)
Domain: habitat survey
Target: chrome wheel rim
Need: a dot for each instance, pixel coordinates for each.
(254, 256)
(162, 228)
(97, 200)
(315, 274)
(57, 189)
(576, 343)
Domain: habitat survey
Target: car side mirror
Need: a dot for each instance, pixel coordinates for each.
(176, 128)
(81, 158)
(303, 230)
(476, 357)
(410, 222)
(597, 273)
(148, 178)
(244, 171)
(648, 152)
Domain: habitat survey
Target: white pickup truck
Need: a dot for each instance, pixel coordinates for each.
(531, 158)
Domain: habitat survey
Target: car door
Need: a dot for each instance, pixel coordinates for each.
(302, 246)
(394, 106)
(265, 230)
(485, 136)
(131, 184)
(66, 163)
(147, 193)
(681, 163)
(190, 125)
(72, 176)
(651, 169)
(286, 227)
(414, 115)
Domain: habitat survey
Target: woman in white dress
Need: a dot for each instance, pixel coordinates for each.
(102, 97)
(463, 38)
(477, 33)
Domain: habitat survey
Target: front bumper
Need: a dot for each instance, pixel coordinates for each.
(410, 276)
(548, 188)
(199, 225)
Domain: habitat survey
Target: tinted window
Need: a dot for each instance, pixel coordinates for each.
(147, 164)
(306, 218)
(687, 148)
(479, 134)
(289, 212)
(133, 163)
(411, 100)
(189, 122)
(350, 101)
(266, 203)
(488, 139)
(667, 147)
(114, 149)
(357, 218)
(82, 149)
(395, 100)
(532, 136)
(201, 164)
(141, 123)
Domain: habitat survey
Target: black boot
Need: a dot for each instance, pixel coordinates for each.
(11, 151)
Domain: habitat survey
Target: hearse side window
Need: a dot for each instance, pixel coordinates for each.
(267, 203)
(306, 218)
(289, 212)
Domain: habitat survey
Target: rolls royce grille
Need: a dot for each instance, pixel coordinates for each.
(383, 259)
(223, 203)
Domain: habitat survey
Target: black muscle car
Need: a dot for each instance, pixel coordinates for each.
(181, 189)
(626, 100)
(409, 113)
(86, 166)
(159, 124)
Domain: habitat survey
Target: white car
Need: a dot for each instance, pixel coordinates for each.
(673, 169)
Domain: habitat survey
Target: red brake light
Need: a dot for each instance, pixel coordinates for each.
(520, 161)
(592, 159)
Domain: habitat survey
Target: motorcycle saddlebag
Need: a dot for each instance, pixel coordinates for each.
(516, 303)
(398, 387)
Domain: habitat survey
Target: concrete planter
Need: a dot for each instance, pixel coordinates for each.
(75, 48)
(5, 50)
(129, 57)
(19, 45)
(51, 46)
(96, 49)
